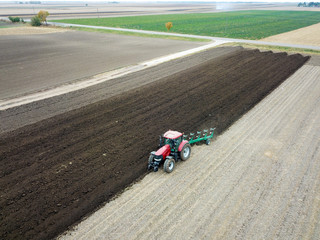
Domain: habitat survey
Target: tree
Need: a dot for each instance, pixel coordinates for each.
(42, 15)
(169, 25)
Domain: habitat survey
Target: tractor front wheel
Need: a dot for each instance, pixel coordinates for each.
(185, 152)
(150, 160)
(168, 165)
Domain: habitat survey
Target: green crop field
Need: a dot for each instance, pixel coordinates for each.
(240, 24)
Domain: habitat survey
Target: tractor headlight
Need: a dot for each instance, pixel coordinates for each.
(158, 158)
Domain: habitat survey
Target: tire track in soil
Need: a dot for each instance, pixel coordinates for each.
(59, 170)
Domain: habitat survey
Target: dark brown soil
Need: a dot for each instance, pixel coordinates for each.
(59, 170)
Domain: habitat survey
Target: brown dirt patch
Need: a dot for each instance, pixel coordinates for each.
(26, 59)
(28, 30)
(56, 171)
(305, 36)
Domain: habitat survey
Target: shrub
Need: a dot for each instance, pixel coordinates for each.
(35, 21)
(14, 19)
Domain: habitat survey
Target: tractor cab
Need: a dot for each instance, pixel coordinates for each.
(172, 138)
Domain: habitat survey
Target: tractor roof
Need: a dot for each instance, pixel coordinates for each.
(172, 134)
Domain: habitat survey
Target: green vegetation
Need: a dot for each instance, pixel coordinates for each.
(14, 19)
(240, 24)
(35, 21)
(140, 34)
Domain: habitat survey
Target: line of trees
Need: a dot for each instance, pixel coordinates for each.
(310, 4)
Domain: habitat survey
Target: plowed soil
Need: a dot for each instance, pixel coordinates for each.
(59, 170)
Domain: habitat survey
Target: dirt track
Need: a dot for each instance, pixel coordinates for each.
(56, 171)
(259, 180)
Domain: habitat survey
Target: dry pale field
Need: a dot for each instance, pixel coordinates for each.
(258, 180)
(78, 10)
(285, 7)
(27, 30)
(305, 36)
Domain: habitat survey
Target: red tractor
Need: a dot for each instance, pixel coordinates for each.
(174, 147)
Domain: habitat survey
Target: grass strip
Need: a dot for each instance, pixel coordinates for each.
(140, 34)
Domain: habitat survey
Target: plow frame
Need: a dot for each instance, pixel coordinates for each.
(205, 136)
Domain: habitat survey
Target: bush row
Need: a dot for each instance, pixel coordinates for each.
(15, 19)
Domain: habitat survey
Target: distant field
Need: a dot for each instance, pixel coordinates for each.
(253, 24)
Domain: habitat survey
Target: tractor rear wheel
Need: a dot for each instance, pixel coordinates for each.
(185, 152)
(168, 165)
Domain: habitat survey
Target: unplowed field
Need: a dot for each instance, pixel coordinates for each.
(305, 36)
(56, 171)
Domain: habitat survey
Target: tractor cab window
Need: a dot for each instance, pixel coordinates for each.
(177, 142)
(168, 141)
(174, 143)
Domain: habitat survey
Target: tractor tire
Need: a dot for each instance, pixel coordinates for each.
(208, 141)
(185, 152)
(150, 161)
(168, 165)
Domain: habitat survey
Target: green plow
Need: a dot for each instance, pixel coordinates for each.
(204, 135)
